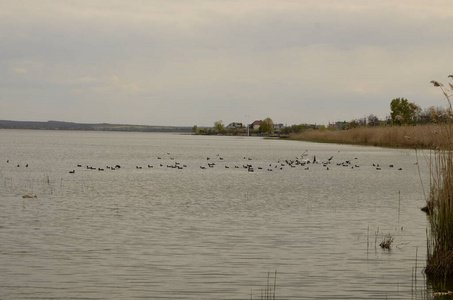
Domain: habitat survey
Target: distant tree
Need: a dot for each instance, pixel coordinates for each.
(219, 127)
(294, 129)
(361, 121)
(267, 126)
(372, 120)
(433, 115)
(403, 112)
(195, 129)
(205, 131)
(352, 124)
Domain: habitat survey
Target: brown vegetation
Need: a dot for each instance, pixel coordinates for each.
(440, 239)
(440, 244)
(430, 136)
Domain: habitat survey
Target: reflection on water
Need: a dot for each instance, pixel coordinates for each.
(164, 232)
(443, 287)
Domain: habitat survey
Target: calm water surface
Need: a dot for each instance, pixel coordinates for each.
(214, 233)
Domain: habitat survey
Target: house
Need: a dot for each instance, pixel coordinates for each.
(235, 125)
(256, 125)
(339, 125)
(278, 127)
(376, 123)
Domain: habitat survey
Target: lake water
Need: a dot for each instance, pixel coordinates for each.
(215, 233)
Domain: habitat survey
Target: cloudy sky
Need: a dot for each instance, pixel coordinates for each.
(194, 62)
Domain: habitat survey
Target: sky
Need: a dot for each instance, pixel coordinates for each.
(194, 62)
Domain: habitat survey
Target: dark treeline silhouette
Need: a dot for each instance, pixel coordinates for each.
(58, 125)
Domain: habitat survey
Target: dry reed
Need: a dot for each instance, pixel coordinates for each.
(429, 136)
(440, 203)
(440, 242)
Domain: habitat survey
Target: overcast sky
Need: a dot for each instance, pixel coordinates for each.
(194, 62)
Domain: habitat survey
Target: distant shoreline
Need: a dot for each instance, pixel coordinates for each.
(60, 125)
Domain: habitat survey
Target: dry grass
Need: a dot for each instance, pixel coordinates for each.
(430, 136)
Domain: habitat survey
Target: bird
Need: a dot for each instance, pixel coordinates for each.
(72, 172)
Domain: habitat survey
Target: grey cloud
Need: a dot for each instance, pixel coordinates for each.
(223, 57)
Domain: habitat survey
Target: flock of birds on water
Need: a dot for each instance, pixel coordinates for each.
(304, 161)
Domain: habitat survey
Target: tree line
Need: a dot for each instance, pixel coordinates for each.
(402, 112)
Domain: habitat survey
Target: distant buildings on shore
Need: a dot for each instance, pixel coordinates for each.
(254, 126)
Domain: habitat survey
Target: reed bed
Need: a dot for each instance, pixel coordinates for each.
(427, 136)
(440, 215)
(440, 202)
